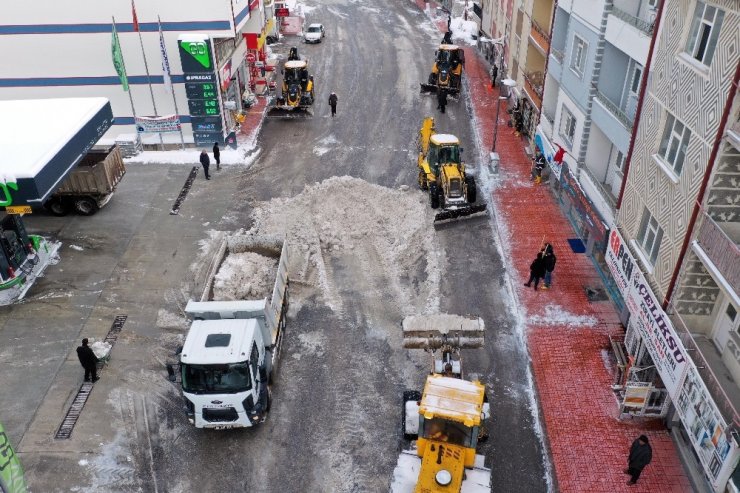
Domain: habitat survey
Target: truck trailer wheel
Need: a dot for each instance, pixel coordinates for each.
(86, 206)
(58, 207)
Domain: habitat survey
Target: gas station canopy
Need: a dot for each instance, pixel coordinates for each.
(41, 140)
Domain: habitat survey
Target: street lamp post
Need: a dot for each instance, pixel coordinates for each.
(509, 83)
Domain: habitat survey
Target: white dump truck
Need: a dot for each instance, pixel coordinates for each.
(230, 354)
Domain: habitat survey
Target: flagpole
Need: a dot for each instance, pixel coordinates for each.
(130, 98)
(146, 67)
(172, 89)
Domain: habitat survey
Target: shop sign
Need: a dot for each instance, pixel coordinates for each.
(208, 138)
(251, 57)
(18, 209)
(662, 341)
(583, 205)
(201, 87)
(194, 90)
(282, 12)
(544, 144)
(206, 123)
(157, 124)
(707, 429)
(226, 76)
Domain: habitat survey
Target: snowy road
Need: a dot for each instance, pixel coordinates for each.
(366, 257)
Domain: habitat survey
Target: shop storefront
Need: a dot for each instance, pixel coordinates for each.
(662, 372)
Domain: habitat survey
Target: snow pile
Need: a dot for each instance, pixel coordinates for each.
(244, 276)
(392, 231)
(101, 349)
(556, 315)
(466, 31)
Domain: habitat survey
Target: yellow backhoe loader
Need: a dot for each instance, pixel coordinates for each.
(442, 172)
(447, 418)
(446, 71)
(297, 91)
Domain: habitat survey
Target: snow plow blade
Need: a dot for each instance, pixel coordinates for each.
(278, 113)
(432, 331)
(450, 214)
(435, 88)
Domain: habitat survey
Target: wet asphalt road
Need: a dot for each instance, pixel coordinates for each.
(335, 422)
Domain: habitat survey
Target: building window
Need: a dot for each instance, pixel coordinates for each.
(567, 126)
(578, 55)
(653, 4)
(649, 236)
(674, 143)
(704, 32)
(619, 162)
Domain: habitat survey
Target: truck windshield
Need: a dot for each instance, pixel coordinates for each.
(442, 430)
(216, 379)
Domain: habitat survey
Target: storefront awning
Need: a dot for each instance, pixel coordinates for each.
(41, 140)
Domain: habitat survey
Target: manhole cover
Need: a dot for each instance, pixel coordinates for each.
(595, 294)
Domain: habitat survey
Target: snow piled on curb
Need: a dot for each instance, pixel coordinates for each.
(557, 315)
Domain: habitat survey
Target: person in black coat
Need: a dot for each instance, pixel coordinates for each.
(333, 99)
(441, 100)
(206, 162)
(217, 155)
(536, 270)
(640, 456)
(550, 260)
(88, 360)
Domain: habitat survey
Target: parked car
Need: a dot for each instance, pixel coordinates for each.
(314, 34)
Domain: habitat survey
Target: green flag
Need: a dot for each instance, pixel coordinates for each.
(118, 59)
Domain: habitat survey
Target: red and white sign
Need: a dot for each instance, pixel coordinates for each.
(282, 12)
(251, 57)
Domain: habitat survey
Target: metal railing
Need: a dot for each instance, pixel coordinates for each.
(549, 114)
(605, 191)
(641, 24)
(541, 31)
(721, 250)
(557, 54)
(537, 81)
(621, 115)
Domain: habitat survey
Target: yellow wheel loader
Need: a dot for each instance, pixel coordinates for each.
(446, 71)
(297, 95)
(442, 173)
(447, 418)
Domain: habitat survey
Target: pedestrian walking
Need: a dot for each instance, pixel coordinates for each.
(206, 162)
(441, 100)
(640, 456)
(536, 269)
(550, 260)
(217, 155)
(494, 74)
(88, 360)
(333, 103)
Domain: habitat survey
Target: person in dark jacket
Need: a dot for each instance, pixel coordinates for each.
(333, 103)
(494, 75)
(217, 155)
(441, 100)
(88, 360)
(640, 456)
(206, 162)
(536, 270)
(550, 260)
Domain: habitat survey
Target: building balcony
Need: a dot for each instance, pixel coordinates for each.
(534, 84)
(722, 204)
(629, 33)
(644, 25)
(733, 134)
(540, 38)
(618, 113)
(721, 250)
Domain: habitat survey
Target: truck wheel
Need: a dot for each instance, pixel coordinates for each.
(472, 192)
(58, 207)
(86, 206)
(408, 395)
(433, 196)
(423, 184)
(432, 79)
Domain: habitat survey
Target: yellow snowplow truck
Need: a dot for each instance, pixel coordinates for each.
(442, 173)
(297, 95)
(447, 70)
(447, 419)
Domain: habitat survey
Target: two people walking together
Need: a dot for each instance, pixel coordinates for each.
(542, 267)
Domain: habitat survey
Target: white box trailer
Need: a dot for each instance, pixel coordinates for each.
(232, 348)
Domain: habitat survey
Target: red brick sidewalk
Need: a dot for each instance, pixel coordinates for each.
(252, 123)
(567, 335)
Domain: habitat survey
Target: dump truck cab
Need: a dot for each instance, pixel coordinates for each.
(450, 413)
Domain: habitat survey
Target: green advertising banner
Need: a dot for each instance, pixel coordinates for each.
(11, 473)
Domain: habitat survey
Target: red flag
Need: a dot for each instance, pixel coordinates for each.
(558, 157)
(133, 14)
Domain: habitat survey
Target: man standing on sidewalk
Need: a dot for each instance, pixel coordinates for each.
(550, 260)
(217, 155)
(640, 456)
(206, 162)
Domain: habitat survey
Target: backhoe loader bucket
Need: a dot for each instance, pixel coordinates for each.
(453, 93)
(288, 113)
(459, 212)
(433, 331)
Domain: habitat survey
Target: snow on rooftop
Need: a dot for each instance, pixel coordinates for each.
(241, 334)
(28, 141)
(444, 139)
(452, 398)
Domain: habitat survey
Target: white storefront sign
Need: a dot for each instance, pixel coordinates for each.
(158, 124)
